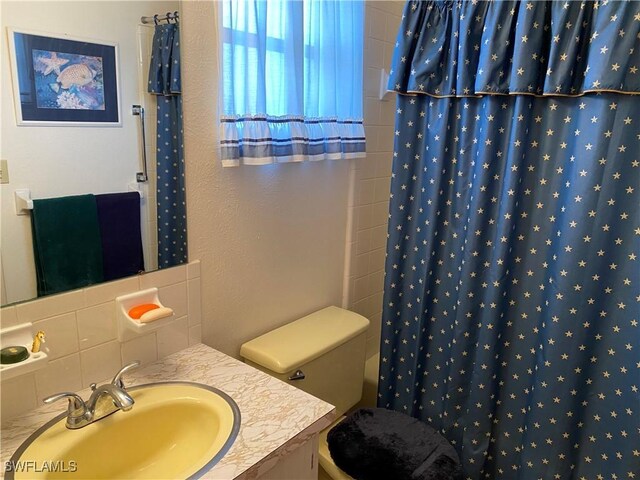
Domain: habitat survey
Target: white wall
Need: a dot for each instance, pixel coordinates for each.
(370, 203)
(58, 161)
(271, 239)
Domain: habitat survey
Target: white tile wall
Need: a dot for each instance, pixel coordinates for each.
(176, 296)
(143, 348)
(59, 375)
(18, 395)
(97, 324)
(173, 338)
(370, 206)
(61, 333)
(195, 335)
(194, 308)
(81, 334)
(100, 362)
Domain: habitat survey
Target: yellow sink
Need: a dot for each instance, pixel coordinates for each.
(174, 430)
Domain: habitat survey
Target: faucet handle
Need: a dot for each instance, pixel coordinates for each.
(76, 408)
(117, 380)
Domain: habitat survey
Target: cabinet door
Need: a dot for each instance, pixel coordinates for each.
(301, 464)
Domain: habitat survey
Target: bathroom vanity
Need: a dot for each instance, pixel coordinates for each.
(279, 426)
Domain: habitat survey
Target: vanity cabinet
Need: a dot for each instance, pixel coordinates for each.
(279, 424)
(301, 464)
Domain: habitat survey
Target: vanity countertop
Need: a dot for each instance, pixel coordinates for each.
(276, 418)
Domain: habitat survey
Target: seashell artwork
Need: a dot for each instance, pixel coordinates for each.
(68, 81)
(60, 80)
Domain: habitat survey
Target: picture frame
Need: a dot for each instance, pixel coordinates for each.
(59, 80)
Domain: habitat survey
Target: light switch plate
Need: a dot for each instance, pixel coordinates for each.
(4, 171)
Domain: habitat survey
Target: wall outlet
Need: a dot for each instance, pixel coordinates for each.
(4, 171)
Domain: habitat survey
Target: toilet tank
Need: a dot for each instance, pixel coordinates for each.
(327, 347)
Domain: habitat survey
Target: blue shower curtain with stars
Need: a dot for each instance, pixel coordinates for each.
(511, 315)
(165, 84)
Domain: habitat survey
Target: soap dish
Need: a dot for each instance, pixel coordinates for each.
(128, 327)
(21, 336)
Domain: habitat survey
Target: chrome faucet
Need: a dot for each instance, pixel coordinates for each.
(105, 399)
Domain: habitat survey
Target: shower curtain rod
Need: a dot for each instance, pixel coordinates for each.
(157, 18)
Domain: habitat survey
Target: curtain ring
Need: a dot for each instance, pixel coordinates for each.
(168, 17)
(175, 16)
(155, 19)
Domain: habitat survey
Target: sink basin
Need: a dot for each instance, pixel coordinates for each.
(174, 430)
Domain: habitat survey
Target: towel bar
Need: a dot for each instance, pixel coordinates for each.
(141, 177)
(24, 203)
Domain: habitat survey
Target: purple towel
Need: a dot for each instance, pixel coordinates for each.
(119, 219)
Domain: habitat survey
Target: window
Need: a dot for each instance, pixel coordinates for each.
(291, 80)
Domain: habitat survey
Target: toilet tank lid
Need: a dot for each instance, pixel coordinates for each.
(292, 345)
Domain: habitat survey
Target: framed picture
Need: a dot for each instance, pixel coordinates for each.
(59, 80)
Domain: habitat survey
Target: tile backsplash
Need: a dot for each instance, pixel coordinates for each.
(82, 335)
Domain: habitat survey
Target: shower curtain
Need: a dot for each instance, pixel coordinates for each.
(511, 307)
(164, 82)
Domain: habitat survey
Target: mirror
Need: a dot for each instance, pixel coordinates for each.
(52, 161)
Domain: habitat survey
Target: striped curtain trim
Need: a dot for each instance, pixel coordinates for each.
(261, 140)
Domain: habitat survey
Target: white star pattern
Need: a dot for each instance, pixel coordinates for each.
(164, 82)
(574, 38)
(512, 298)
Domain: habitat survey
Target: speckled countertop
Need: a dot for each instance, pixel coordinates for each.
(276, 418)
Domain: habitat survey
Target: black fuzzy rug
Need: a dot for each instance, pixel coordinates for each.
(380, 444)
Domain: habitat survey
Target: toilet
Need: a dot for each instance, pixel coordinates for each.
(370, 387)
(322, 354)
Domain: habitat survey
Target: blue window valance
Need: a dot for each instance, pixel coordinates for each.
(292, 81)
(457, 48)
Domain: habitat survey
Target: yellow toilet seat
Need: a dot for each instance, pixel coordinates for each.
(324, 457)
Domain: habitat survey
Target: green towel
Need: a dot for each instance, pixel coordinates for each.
(66, 243)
